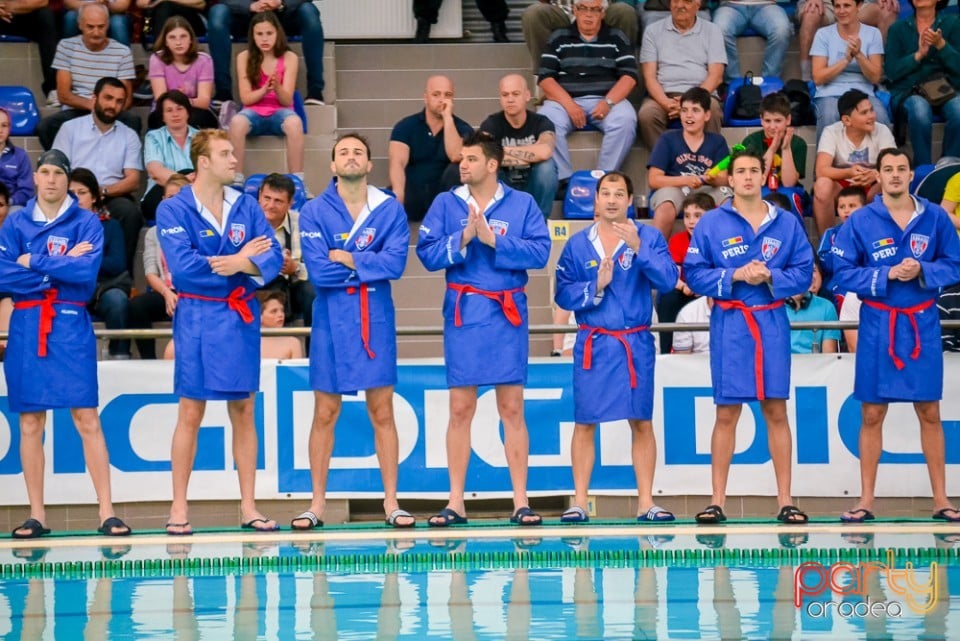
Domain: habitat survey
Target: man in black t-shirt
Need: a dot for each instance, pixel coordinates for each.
(528, 140)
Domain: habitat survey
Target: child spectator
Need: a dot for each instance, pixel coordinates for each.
(848, 200)
(16, 173)
(267, 84)
(681, 161)
(784, 154)
(272, 315)
(177, 63)
(847, 155)
(808, 306)
(696, 311)
(670, 303)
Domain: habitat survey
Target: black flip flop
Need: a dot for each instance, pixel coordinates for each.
(34, 529)
(711, 515)
(107, 527)
(791, 515)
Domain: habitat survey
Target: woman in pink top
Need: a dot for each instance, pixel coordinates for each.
(177, 63)
(266, 91)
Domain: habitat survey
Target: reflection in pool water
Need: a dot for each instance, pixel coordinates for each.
(637, 601)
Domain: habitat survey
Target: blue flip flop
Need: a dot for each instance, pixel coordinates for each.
(575, 514)
(860, 515)
(656, 514)
(522, 514)
(448, 517)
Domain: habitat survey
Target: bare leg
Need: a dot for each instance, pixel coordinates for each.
(463, 405)
(33, 462)
(663, 218)
(824, 198)
(722, 444)
(293, 130)
(239, 128)
(644, 455)
(931, 440)
(380, 409)
(871, 444)
(245, 447)
(781, 446)
(516, 441)
(183, 452)
(582, 456)
(326, 411)
(95, 454)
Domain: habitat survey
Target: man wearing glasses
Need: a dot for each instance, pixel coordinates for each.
(587, 70)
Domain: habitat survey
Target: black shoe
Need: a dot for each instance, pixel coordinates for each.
(499, 31)
(423, 32)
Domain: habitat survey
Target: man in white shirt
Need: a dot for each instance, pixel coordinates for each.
(696, 311)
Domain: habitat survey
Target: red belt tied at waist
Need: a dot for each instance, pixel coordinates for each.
(235, 301)
(505, 298)
(909, 312)
(364, 316)
(619, 335)
(754, 329)
(47, 314)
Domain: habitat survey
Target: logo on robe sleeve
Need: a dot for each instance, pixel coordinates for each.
(238, 231)
(918, 244)
(769, 247)
(56, 245)
(365, 237)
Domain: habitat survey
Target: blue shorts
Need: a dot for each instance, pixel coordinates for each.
(271, 125)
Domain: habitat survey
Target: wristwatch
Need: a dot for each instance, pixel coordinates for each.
(609, 102)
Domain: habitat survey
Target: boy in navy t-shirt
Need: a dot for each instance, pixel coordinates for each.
(681, 160)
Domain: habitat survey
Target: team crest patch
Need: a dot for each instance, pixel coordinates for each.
(238, 231)
(365, 237)
(56, 245)
(918, 244)
(626, 259)
(769, 247)
(499, 227)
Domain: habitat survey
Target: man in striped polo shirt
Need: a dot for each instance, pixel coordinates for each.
(586, 73)
(80, 62)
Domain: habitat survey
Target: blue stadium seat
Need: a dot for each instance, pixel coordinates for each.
(252, 186)
(581, 193)
(9, 38)
(19, 103)
(767, 86)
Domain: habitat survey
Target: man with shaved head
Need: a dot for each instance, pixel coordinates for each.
(424, 149)
(528, 140)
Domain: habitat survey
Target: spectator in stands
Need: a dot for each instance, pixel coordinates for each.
(784, 153)
(528, 140)
(670, 303)
(233, 17)
(587, 71)
(119, 20)
(425, 148)
(949, 306)
(847, 155)
(177, 64)
(846, 55)
(696, 311)
(919, 48)
(817, 14)
(166, 150)
(543, 17)
(159, 302)
(112, 151)
(808, 306)
(81, 61)
(111, 299)
(651, 11)
(849, 199)
(676, 55)
(159, 12)
(275, 196)
(16, 172)
(273, 316)
(35, 20)
(951, 196)
(682, 162)
(4, 202)
(767, 19)
(266, 91)
(850, 312)
(494, 11)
